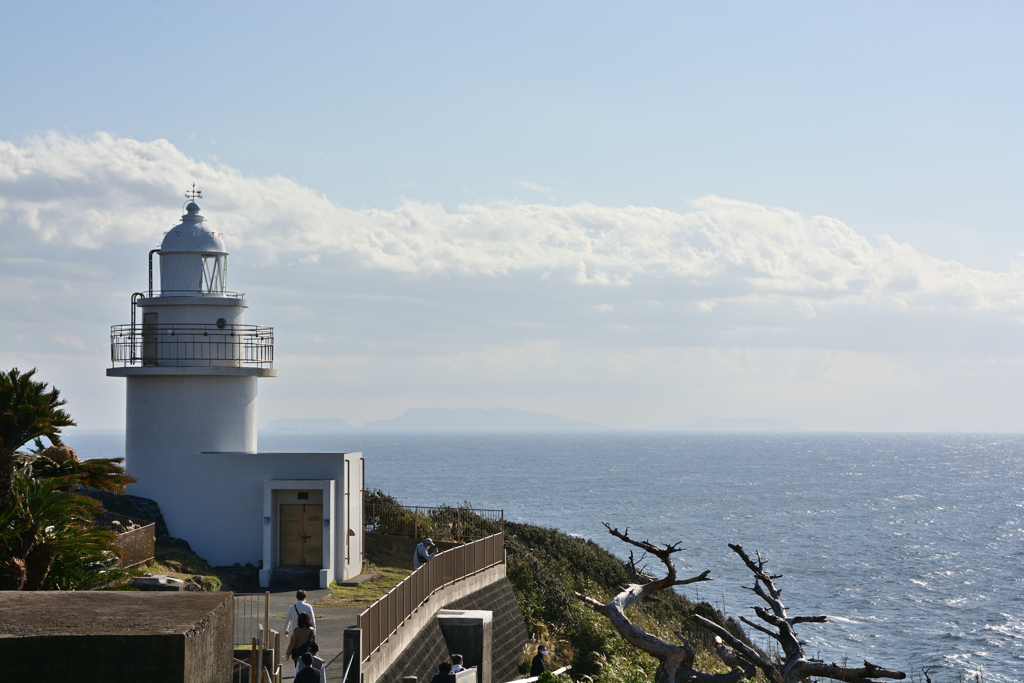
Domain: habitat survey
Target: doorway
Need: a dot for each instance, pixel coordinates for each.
(302, 535)
(150, 332)
(293, 508)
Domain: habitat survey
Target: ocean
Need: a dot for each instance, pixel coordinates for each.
(912, 544)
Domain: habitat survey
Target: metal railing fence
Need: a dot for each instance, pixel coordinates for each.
(135, 537)
(117, 522)
(443, 523)
(201, 293)
(175, 345)
(381, 619)
(252, 628)
(252, 614)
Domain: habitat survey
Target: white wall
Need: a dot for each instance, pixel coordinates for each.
(193, 310)
(171, 415)
(354, 514)
(215, 501)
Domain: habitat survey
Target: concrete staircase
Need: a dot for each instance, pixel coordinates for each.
(294, 578)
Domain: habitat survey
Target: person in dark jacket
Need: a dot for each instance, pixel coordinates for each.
(444, 673)
(307, 674)
(538, 667)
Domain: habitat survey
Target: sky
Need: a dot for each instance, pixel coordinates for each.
(632, 214)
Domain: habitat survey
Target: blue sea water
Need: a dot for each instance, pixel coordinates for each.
(912, 544)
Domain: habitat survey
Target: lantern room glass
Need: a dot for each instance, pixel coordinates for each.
(215, 273)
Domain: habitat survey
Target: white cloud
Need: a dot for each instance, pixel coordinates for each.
(107, 190)
(525, 184)
(70, 341)
(628, 316)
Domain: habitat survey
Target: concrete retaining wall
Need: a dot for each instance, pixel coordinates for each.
(386, 550)
(422, 647)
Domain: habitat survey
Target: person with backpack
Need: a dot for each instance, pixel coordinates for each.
(302, 641)
(292, 618)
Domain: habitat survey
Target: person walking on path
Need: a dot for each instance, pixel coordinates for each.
(303, 640)
(444, 673)
(538, 666)
(423, 554)
(291, 620)
(307, 674)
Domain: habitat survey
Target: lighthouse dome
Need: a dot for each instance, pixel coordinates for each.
(192, 235)
(193, 261)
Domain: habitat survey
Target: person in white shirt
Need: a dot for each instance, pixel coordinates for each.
(456, 664)
(291, 620)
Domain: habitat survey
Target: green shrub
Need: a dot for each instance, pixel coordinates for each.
(547, 567)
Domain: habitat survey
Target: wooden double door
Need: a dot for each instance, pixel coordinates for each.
(302, 535)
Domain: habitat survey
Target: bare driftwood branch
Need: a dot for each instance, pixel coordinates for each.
(820, 619)
(762, 629)
(663, 553)
(676, 660)
(638, 574)
(735, 643)
(794, 665)
(734, 659)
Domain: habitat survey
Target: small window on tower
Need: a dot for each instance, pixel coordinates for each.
(303, 495)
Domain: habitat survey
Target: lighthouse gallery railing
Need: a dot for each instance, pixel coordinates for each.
(175, 345)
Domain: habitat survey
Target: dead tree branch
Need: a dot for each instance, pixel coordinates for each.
(794, 666)
(638, 574)
(762, 629)
(676, 661)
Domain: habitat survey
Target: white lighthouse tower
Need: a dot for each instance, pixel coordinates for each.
(192, 366)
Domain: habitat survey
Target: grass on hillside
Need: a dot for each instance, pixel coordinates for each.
(547, 567)
(176, 570)
(365, 594)
(177, 562)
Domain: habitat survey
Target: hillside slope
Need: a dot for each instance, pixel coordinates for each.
(546, 567)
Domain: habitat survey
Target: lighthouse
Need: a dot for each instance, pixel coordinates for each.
(192, 366)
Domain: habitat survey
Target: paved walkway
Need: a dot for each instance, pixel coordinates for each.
(331, 623)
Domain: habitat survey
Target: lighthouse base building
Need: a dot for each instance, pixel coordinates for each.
(192, 366)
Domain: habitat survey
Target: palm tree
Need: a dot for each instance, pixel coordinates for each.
(28, 411)
(61, 464)
(43, 523)
(38, 523)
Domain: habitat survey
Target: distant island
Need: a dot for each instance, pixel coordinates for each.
(733, 424)
(447, 420)
(512, 420)
(479, 420)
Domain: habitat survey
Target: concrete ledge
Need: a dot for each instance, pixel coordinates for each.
(193, 301)
(102, 636)
(382, 660)
(355, 581)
